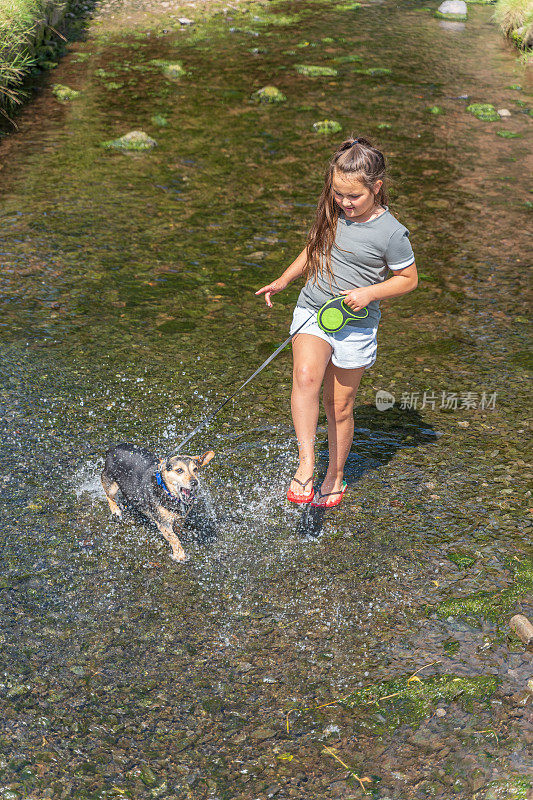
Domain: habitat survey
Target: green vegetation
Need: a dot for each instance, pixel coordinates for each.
(515, 18)
(461, 558)
(171, 69)
(409, 700)
(516, 788)
(268, 94)
(25, 45)
(484, 111)
(489, 605)
(374, 72)
(327, 126)
(134, 140)
(312, 71)
(64, 93)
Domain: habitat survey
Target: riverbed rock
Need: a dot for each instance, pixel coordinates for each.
(269, 94)
(326, 126)
(452, 9)
(64, 93)
(134, 140)
(504, 112)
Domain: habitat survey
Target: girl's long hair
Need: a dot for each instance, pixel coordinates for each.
(356, 158)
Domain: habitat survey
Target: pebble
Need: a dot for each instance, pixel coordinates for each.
(504, 112)
(455, 8)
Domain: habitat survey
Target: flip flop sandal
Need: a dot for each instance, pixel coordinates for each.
(336, 502)
(301, 498)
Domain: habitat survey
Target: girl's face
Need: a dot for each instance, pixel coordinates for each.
(353, 197)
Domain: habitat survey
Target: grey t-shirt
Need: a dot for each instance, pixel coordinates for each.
(362, 254)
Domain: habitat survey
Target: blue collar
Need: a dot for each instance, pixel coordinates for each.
(162, 484)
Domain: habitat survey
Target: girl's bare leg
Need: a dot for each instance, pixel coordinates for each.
(310, 357)
(340, 389)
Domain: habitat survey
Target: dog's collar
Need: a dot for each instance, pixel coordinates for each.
(162, 484)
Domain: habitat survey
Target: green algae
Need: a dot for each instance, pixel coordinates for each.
(435, 110)
(493, 606)
(451, 17)
(461, 558)
(483, 111)
(374, 72)
(64, 93)
(268, 94)
(516, 788)
(134, 140)
(170, 69)
(327, 126)
(313, 71)
(508, 134)
(160, 120)
(384, 126)
(407, 701)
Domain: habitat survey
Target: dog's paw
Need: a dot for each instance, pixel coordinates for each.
(180, 555)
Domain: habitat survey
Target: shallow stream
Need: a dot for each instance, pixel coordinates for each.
(128, 312)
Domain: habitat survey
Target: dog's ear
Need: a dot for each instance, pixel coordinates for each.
(205, 459)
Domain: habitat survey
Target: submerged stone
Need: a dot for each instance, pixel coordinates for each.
(159, 120)
(134, 140)
(64, 93)
(508, 135)
(268, 94)
(374, 72)
(484, 111)
(171, 69)
(435, 110)
(452, 9)
(508, 789)
(327, 126)
(312, 71)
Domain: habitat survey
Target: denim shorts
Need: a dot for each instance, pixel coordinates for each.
(353, 347)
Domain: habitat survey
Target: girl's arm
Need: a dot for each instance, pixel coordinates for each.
(295, 270)
(402, 282)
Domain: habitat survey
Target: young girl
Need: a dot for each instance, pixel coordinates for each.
(353, 243)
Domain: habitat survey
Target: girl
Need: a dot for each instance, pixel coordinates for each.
(353, 243)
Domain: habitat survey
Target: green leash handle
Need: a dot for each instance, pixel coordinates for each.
(335, 314)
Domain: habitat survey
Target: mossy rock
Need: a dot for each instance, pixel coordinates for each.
(435, 110)
(408, 701)
(171, 69)
(312, 71)
(64, 93)
(326, 126)
(484, 111)
(508, 135)
(348, 7)
(516, 788)
(374, 72)
(134, 140)
(384, 126)
(269, 94)
(112, 86)
(159, 120)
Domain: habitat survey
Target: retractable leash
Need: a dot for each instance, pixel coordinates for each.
(333, 314)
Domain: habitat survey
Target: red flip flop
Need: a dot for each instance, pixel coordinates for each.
(333, 503)
(301, 498)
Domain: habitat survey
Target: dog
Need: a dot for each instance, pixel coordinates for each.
(161, 489)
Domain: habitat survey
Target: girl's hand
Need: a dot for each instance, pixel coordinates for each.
(272, 288)
(356, 299)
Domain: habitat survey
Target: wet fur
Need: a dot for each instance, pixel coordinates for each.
(131, 470)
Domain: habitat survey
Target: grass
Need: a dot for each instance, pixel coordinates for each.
(515, 18)
(19, 20)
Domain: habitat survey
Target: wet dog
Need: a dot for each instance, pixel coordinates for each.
(161, 489)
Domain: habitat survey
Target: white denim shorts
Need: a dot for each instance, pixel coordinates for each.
(353, 347)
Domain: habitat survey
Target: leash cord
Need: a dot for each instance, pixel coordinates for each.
(208, 419)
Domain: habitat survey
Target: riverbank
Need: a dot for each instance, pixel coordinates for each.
(515, 18)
